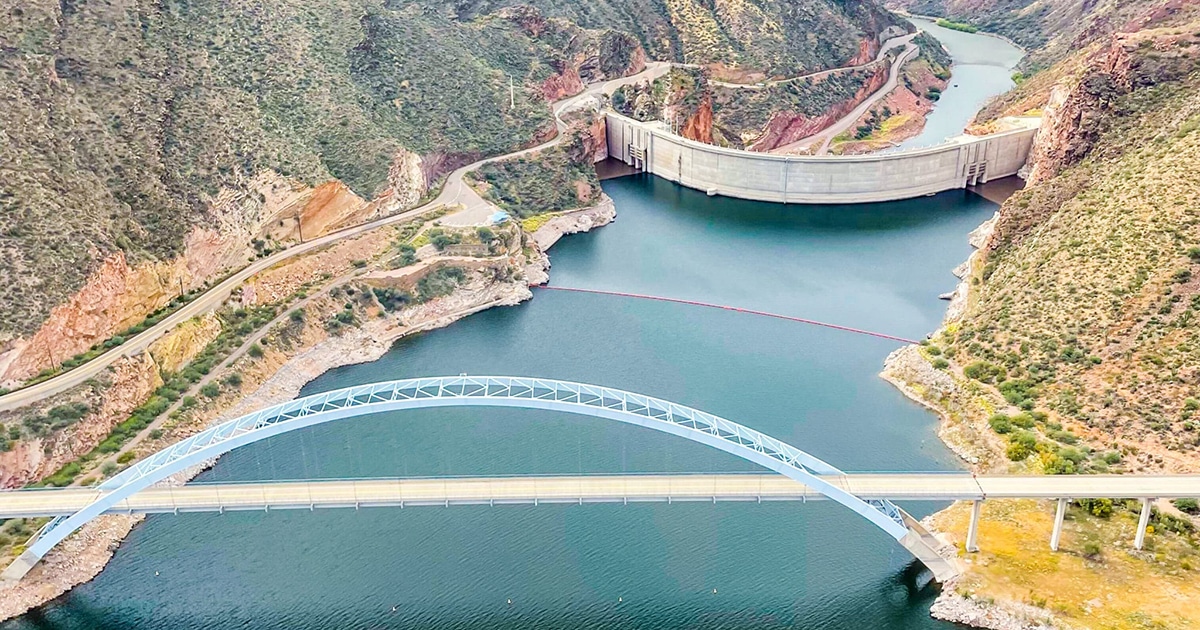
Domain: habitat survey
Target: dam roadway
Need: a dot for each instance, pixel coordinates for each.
(358, 493)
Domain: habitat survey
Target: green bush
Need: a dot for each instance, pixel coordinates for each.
(1102, 508)
(984, 372)
(408, 256)
(1023, 420)
(957, 26)
(65, 476)
(1187, 505)
(391, 299)
(1019, 392)
(1171, 523)
(126, 457)
(1066, 437)
(940, 364)
(255, 351)
(1000, 423)
(1017, 451)
(439, 282)
(1091, 549)
(211, 390)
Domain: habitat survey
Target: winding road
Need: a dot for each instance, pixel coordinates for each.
(827, 135)
(454, 192)
(883, 50)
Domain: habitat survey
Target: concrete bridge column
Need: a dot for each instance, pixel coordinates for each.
(1058, 521)
(973, 528)
(1143, 521)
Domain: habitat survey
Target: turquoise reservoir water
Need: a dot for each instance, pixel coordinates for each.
(983, 67)
(599, 566)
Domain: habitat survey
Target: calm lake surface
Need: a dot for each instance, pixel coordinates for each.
(983, 67)
(741, 566)
(773, 565)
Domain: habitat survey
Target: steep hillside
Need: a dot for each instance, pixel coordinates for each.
(1076, 348)
(1051, 29)
(160, 140)
(741, 39)
(1087, 299)
(150, 147)
(748, 118)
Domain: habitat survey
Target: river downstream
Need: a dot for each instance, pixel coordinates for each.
(983, 67)
(877, 267)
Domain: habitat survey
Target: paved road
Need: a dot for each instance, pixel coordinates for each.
(596, 489)
(455, 191)
(829, 133)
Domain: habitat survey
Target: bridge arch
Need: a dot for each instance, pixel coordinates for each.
(494, 391)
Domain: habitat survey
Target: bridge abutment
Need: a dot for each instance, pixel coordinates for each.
(21, 566)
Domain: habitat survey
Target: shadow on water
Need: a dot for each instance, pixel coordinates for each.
(741, 214)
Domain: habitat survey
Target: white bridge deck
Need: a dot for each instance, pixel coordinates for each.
(594, 489)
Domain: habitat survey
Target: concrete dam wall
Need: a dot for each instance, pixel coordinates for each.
(960, 162)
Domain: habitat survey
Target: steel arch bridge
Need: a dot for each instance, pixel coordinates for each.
(494, 391)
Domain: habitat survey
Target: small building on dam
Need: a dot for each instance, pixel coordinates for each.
(959, 162)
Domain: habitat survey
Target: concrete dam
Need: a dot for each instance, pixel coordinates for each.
(959, 162)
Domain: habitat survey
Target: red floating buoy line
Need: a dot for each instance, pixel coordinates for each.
(736, 309)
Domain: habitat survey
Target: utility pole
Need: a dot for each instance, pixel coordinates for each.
(512, 95)
(300, 227)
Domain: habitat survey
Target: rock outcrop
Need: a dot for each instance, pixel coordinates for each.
(34, 458)
(786, 127)
(699, 126)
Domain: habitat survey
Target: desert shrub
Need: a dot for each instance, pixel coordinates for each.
(984, 372)
(391, 299)
(1102, 508)
(439, 282)
(1019, 392)
(1187, 505)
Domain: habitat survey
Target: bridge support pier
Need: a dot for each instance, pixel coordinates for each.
(1058, 522)
(20, 566)
(973, 528)
(1143, 521)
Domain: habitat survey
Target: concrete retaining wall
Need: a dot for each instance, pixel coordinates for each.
(960, 162)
